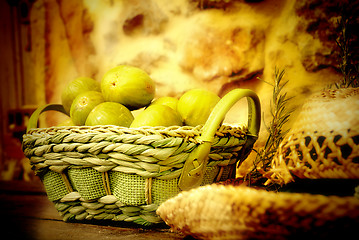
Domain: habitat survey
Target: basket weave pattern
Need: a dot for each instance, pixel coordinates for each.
(123, 174)
(227, 212)
(324, 140)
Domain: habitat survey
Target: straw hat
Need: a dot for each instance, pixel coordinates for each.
(324, 140)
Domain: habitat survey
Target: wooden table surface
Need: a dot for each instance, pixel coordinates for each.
(26, 213)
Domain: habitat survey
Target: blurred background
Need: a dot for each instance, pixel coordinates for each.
(218, 45)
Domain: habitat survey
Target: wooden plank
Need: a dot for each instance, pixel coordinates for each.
(30, 228)
(22, 187)
(28, 214)
(30, 206)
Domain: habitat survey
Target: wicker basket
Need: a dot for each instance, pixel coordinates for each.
(238, 212)
(124, 174)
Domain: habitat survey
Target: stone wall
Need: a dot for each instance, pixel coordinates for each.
(218, 45)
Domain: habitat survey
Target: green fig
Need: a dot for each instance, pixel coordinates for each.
(168, 101)
(110, 113)
(82, 106)
(196, 105)
(75, 87)
(67, 122)
(128, 85)
(157, 115)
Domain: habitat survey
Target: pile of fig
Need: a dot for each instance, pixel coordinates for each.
(125, 89)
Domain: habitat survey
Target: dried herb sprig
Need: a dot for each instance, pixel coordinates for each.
(280, 116)
(347, 65)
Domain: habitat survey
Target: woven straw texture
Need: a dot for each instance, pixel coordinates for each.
(324, 140)
(123, 174)
(229, 212)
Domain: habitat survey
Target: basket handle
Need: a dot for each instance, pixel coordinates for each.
(194, 167)
(36, 114)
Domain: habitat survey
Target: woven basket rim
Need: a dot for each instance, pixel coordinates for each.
(145, 130)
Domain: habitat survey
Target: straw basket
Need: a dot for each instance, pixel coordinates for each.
(323, 143)
(237, 212)
(123, 174)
